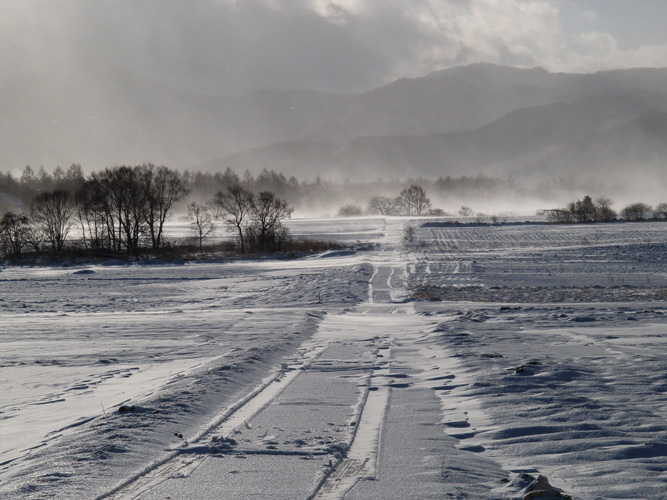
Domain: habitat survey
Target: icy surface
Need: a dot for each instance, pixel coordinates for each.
(475, 361)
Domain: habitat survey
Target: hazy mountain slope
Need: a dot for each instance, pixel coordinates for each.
(426, 106)
(635, 148)
(518, 134)
(500, 77)
(625, 82)
(461, 120)
(478, 118)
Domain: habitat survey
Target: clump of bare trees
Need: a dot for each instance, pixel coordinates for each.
(584, 211)
(255, 218)
(116, 209)
(587, 210)
(411, 201)
(120, 206)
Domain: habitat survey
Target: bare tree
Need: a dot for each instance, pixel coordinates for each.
(14, 233)
(465, 211)
(163, 187)
(604, 211)
(111, 187)
(268, 212)
(413, 200)
(52, 213)
(129, 201)
(382, 205)
(96, 216)
(235, 204)
(201, 220)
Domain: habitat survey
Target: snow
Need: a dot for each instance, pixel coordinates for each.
(518, 360)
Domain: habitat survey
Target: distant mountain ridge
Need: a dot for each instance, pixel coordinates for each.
(466, 120)
(518, 122)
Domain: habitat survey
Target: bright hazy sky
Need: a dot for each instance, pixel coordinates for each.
(236, 46)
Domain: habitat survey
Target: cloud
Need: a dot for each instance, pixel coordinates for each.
(590, 16)
(236, 46)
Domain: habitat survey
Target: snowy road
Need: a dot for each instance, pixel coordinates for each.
(444, 367)
(320, 429)
(323, 425)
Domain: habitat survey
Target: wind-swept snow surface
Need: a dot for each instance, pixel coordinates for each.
(500, 362)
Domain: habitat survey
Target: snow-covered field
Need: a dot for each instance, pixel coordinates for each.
(449, 366)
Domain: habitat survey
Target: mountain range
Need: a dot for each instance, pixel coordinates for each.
(478, 119)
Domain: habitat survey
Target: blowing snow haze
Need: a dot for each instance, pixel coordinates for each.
(536, 90)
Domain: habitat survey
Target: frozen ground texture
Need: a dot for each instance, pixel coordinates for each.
(484, 362)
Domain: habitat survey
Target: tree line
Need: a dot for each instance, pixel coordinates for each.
(115, 210)
(600, 210)
(321, 193)
(120, 209)
(124, 209)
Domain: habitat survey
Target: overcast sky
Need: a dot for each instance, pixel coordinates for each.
(232, 47)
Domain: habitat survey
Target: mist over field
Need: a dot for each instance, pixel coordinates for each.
(525, 124)
(600, 134)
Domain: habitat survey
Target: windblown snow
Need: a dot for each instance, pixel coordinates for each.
(510, 361)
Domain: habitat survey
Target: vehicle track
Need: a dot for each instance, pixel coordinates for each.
(362, 456)
(182, 462)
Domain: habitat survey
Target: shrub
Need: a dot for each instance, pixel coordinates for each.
(350, 211)
(660, 211)
(15, 234)
(465, 211)
(408, 233)
(636, 211)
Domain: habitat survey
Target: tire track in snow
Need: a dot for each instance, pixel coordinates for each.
(370, 284)
(381, 290)
(362, 457)
(181, 463)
